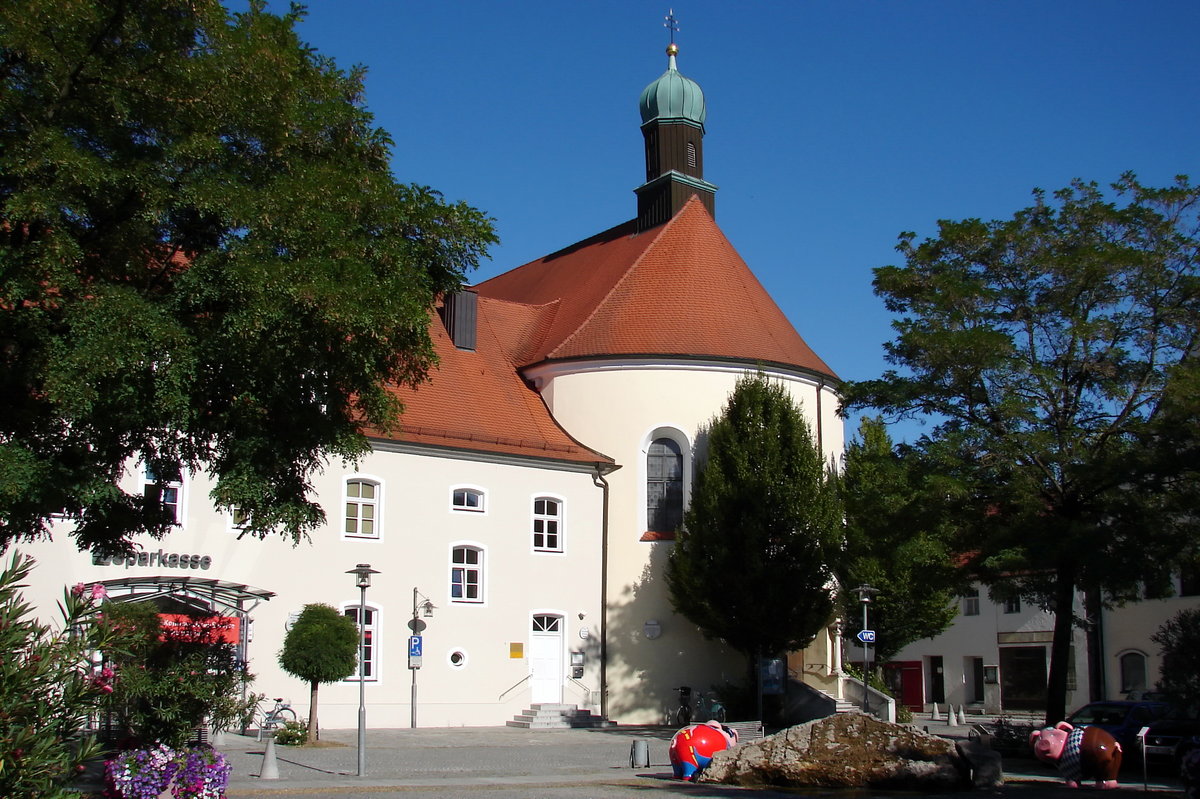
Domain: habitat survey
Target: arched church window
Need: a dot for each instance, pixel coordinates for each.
(664, 486)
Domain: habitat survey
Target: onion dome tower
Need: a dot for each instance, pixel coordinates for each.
(673, 113)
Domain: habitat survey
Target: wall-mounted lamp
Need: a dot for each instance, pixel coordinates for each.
(652, 629)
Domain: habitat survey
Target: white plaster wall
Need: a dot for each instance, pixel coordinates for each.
(979, 636)
(413, 551)
(1129, 628)
(616, 408)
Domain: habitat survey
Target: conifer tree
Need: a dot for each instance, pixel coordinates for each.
(751, 564)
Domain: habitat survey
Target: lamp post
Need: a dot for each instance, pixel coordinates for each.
(424, 608)
(865, 594)
(362, 578)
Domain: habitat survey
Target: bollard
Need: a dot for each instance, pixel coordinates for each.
(962, 715)
(934, 715)
(951, 719)
(639, 753)
(270, 768)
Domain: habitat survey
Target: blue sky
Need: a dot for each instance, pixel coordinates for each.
(832, 126)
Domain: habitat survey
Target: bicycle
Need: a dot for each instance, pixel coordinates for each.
(709, 709)
(275, 717)
(704, 708)
(683, 716)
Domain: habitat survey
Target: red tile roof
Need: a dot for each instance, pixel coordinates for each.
(478, 401)
(676, 290)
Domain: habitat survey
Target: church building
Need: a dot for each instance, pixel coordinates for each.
(519, 520)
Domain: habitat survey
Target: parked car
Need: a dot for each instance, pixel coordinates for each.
(1170, 736)
(1122, 718)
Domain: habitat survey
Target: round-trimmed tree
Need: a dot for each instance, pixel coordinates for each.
(322, 646)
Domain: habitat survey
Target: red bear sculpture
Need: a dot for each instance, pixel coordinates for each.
(1079, 753)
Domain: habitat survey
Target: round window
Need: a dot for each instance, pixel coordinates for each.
(457, 658)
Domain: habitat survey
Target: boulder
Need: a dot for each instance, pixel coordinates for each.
(987, 771)
(849, 750)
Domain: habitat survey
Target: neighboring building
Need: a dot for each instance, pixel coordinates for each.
(1131, 661)
(534, 488)
(995, 656)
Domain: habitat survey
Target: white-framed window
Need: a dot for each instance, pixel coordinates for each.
(168, 492)
(1012, 604)
(547, 623)
(547, 524)
(370, 644)
(236, 520)
(467, 573)
(1133, 671)
(468, 499)
(362, 498)
(970, 602)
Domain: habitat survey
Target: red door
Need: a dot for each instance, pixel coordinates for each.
(904, 678)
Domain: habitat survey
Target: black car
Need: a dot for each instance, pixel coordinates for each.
(1124, 719)
(1170, 736)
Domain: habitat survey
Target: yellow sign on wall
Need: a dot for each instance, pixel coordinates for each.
(516, 650)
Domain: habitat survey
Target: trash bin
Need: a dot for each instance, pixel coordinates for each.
(639, 753)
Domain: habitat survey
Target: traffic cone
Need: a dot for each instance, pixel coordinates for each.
(933, 714)
(270, 767)
(951, 719)
(962, 715)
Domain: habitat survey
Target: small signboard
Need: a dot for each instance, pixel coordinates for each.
(866, 636)
(414, 651)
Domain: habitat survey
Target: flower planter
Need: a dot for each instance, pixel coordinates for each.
(163, 773)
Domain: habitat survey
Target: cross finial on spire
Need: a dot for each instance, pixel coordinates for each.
(671, 24)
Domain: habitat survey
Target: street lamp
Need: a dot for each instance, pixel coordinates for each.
(865, 594)
(419, 608)
(362, 578)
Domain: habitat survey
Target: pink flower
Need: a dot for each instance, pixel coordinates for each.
(99, 591)
(77, 589)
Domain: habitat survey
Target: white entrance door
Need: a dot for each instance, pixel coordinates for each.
(546, 660)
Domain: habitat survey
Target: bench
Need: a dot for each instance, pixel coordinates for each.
(747, 730)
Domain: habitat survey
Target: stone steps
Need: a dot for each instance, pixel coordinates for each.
(557, 717)
(840, 705)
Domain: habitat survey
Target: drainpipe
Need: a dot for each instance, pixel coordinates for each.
(600, 482)
(820, 426)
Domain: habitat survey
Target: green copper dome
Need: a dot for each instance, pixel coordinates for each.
(673, 97)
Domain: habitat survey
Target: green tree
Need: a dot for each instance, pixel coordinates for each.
(205, 262)
(169, 682)
(1052, 351)
(45, 695)
(1179, 670)
(896, 541)
(322, 646)
(749, 566)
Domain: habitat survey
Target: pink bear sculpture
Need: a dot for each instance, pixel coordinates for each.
(1079, 753)
(693, 747)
